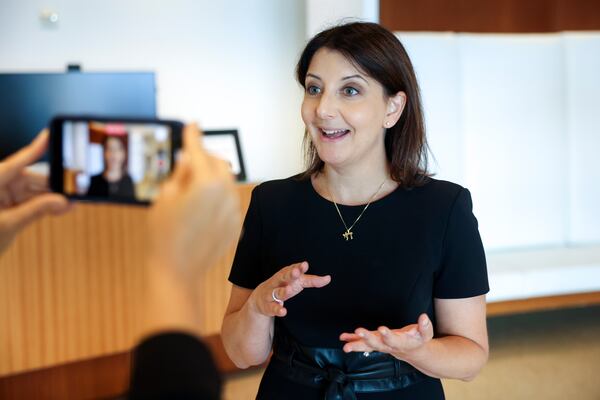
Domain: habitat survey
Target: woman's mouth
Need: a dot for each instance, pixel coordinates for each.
(334, 133)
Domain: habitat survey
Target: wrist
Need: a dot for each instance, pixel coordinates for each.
(252, 307)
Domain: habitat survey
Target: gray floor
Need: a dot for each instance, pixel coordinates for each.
(547, 355)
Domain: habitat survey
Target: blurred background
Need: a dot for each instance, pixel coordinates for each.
(511, 95)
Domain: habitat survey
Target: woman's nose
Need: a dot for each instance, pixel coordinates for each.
(327, 108)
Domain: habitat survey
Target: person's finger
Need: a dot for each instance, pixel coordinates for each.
(425, 327)
(373, 340)
(26, 185)
(314, 281)
(192, 145)
(281, 312)
(19, 216)
(289, 273)
(191, 137)
(222, 169)
(272, 308)
(15, 163)
(182, 173)
(400, 340)
(36, 182)
(282, 293)
(349, 337)
(357, 346)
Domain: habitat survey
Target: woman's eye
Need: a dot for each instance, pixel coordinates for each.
(350, 91)
(313, 90)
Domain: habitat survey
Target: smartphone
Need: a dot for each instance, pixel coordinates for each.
(106, 159)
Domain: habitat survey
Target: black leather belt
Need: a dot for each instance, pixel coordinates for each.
(341, 374)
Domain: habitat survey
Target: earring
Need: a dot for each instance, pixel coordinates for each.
(387, 124)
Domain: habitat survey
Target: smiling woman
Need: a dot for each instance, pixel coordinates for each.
(397, 266)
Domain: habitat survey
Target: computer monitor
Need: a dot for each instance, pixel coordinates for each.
(29, 100)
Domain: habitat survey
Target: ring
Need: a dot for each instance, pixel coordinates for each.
(366, 353)
(275, 299)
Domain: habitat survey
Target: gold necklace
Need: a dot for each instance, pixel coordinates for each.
(348, 234)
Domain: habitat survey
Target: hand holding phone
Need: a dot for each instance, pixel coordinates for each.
(23, 194)
(105, 159)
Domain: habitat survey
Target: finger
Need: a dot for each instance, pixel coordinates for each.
(14, 164)
(26, 185)
(400, 340)
(19, 216)
(290, 273)
(276, 310)
(358, 346)
(192, 145)
(425, 327)
(182, 173)
(314, 281)
(349, 337)
(192, 137)
(373, 340)
(221, 168)
(36, 182)
(282, 293)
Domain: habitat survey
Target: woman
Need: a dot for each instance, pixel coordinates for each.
(398, 275)
(114, 181)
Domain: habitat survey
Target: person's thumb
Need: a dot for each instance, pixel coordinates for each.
(425, 327)
(20, 215)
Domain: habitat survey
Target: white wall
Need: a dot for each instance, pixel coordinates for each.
(435, 58)
(322, 14)
(582, 54)
(223, 63)
(515, 135)
(515, 118)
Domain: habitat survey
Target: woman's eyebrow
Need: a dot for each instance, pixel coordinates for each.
(355, 76)
(343, 79)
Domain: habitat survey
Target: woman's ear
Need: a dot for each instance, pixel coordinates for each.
(395, 106)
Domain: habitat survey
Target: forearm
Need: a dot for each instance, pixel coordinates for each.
(451, 357)
(247, 336)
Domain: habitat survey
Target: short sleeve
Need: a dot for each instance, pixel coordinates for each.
(246, 268)
(463, 270)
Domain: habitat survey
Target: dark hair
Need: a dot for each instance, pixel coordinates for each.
(378, 53)
(121, 139)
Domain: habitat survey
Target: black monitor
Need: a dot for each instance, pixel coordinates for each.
(29, 101)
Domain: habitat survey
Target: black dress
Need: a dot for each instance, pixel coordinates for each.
(100, 187)
(409, 247)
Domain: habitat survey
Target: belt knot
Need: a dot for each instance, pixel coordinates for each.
(339, 387)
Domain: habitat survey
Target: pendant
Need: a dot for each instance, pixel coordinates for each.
(348, 235)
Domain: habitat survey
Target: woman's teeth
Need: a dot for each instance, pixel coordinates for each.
(333, 133)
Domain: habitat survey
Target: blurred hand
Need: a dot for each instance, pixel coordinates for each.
(285, 284)
(24, 195)
(397, 342)
(196, 217)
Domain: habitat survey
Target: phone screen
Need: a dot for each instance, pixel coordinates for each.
(114, 161)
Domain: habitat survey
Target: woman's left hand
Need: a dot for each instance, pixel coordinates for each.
(400, 343)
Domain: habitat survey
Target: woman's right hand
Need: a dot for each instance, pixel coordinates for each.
(284, 285)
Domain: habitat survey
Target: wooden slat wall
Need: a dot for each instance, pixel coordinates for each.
(498, 16)
(71, 287)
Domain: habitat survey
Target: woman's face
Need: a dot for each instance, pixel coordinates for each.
(344, 110)
(114, 154)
